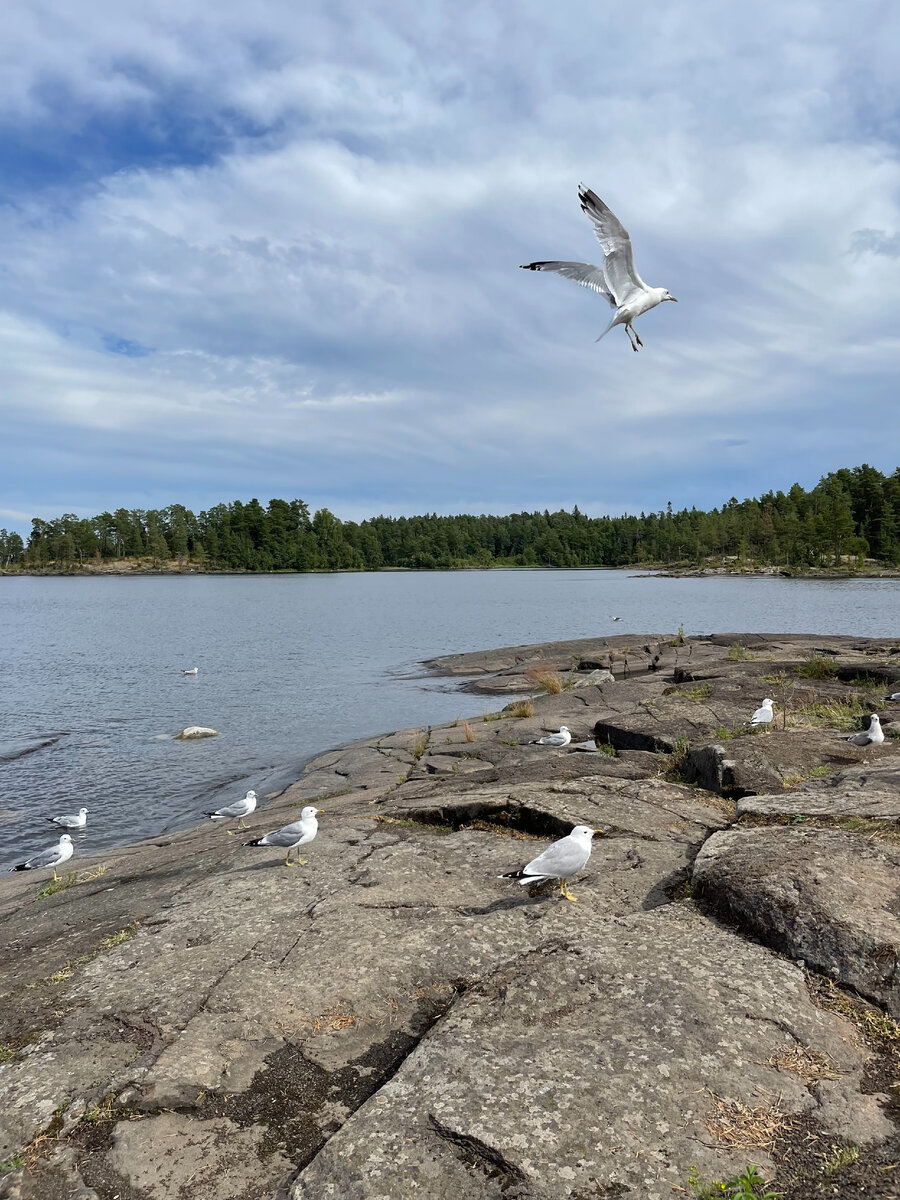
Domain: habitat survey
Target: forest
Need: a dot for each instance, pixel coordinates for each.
(849, 516)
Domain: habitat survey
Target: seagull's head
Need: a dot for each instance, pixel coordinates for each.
(666, 295)
(65, 838)
(584, 831)
(563, 729)
(251, 795)
(874, 719)
(309, 812)
(82, 812)
(767, 703)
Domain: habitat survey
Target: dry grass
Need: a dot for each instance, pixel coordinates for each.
(420, 745)
(504, 831)
(468, 731)
(839, 1159)
(520, 708)
(880, 1031)
(547, 677)
(809, 1064)
(738, 653)
(743, 1128)
(831, 714)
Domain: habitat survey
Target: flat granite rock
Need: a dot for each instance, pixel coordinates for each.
(594, 1067)
(827, 897)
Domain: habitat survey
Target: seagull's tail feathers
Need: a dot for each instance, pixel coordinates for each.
(523, 878)
(257, 841)
(20, 867)
(214, 816)
(606, 330)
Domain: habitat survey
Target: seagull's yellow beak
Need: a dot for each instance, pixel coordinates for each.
(319, 810)
(675, 298)
(598, 831)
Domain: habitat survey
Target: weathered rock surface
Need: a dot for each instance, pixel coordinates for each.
(193, 732)
(200, 1023)
(827, 897)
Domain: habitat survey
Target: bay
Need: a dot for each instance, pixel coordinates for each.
(92, 690)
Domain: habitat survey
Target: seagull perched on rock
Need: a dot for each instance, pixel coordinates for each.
(557, 740)
(764, 715)
(240, 809)
(71, 820)
(53, 857)
(892, 696)
(561, 861)
(873, 736)
(292, 837)
(617, 281)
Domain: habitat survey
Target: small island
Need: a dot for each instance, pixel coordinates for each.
(187, 1018)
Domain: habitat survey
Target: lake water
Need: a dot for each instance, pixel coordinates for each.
(291, 665)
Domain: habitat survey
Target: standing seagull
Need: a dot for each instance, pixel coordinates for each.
(561, 861)
(764, 715)
(555, 739)
(617, 281)
(71, 820)
(240, 809)
(873, 736)
(292, 837)
(49, 858)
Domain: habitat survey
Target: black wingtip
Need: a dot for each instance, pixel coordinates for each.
(532, 266)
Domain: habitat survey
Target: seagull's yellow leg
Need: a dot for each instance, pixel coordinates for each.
(564, 891)
(301, 862)
(287, 861)
(55, 876)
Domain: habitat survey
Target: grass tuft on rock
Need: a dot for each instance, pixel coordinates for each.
(879, 1030)
(743, 1128)
(809, 1064)
(520, 708)
(546, 677)
(818, 666)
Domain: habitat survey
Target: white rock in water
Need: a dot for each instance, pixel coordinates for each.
(195, 731)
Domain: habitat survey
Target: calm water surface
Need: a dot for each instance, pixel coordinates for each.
(291, 665)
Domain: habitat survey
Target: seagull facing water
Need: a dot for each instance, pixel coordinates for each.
(53, 857)
(561, 861)
(873, 736)
(71, 820)
(555, 739)
(617, 281)
(292, 837)
(240, 809)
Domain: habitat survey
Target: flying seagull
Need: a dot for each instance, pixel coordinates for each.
(71, 820)
(555, 739)
(292, 837)
(240, 809)
(53, 857)
(561, 861)
(764, 715)
(617, 281)
(873, 736)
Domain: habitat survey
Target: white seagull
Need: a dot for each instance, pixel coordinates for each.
(555, 739)
(617, 281)
(892, 696)
(561, 861)
(53, 857)
(873, 736)
(764, 715)
(71, 820)
(240, 809)
(292, 837)
(191, 671)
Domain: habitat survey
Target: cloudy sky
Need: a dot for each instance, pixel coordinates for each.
(271, 249)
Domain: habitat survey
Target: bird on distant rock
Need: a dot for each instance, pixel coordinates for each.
(873, 736)
(617, 281)
(891, 697)
(53, 857)
(764, 715)
(240, 809)
(71, 820)
(557, 740)
(561, 860)
(292, 837)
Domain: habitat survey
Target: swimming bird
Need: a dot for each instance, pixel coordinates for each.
(617, 281)
(561, 861)
(191, 671)
(557, 740)
(873, 736)
(764, 715)
(240, 809)
(616, 618)
(53, 857)
(72, 820)
(291, 837)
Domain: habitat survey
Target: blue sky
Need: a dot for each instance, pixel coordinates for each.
(272, 249)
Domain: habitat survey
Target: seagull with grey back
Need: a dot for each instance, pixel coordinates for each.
(557, 740)
(70, 820)
(53, 857)
(236, 811)
(561, 861)
(764, 715)
(873, 736)
(293, 836)
(891, 697)
(617, 281)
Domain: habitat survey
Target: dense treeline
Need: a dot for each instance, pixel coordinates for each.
(853, 513)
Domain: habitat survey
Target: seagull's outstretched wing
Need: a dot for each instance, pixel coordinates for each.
(618, 266)
(583, 273)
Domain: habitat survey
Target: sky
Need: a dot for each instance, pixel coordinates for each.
(272, 250)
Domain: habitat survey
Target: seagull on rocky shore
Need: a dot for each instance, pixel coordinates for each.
(292, 837)
(240, 809)
(561, 861)
(53, 857)
(764, 715)
(873, 736)
(71, 820)
(892, 696)
(617, 281)
(557, 740)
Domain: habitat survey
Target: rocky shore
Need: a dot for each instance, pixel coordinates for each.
(191, 1020)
